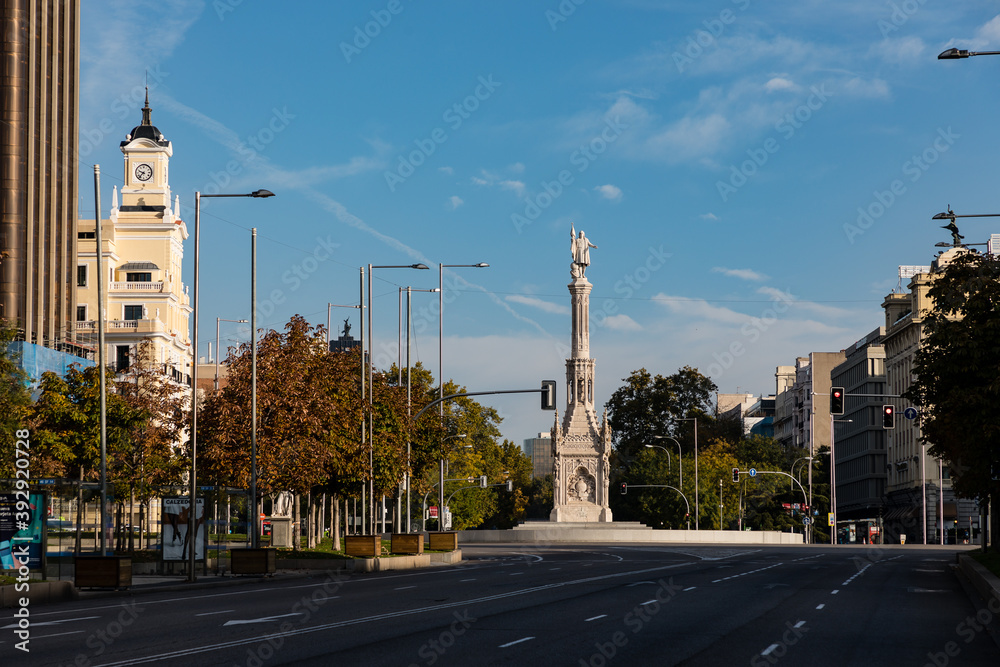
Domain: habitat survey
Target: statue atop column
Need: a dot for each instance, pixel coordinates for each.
(580, 249)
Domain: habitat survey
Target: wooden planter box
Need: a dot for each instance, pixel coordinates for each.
(103, 572)
(443, 541)
(253, 561)
(367, 546)
(406, 543)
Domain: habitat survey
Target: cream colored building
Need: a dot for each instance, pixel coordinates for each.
(916, 479)
(143, 254)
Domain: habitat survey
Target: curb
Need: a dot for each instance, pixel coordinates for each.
(985, 582)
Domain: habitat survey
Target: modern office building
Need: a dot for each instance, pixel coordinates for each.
(755, 413)
(860, 441)
(539, 450)
(142, 255)
(39, 129)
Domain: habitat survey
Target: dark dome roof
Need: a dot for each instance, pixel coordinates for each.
(146, 129)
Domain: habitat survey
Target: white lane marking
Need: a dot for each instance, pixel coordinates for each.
(515, 574)
(834, 591)
(690, 588)
(38, 625)
(856, 574)
(743, 574)
(820, 606)
(643, 604)
(518, 641)
(403, 588)
(553, 569)
(462, 580)
(594, 618)
(212, 613)
(768, 650)
(931, 571)
(265, 619)
(800, 624)
(194, 650)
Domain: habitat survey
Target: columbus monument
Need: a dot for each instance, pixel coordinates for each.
(581, 445)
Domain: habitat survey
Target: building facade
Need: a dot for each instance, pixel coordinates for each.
(39, 130)
(860, 441)
(539, 450)
(918, 485)
(142, 256)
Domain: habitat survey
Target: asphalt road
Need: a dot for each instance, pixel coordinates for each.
(551, 605)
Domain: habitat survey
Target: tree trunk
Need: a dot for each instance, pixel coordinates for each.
(335, 521)
(296, 523)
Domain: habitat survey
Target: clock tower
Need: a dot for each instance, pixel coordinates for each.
(147, 157)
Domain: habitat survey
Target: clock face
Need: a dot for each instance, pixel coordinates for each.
(143, 172)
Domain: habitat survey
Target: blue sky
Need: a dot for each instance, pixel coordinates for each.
(753, 173)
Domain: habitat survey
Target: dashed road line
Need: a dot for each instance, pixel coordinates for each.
(743, 574)
(518, 641)
(594, 618)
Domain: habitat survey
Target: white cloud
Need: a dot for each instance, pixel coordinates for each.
(990, 32)
(708, 216)
(743, 274)
(906, 50)
(873, 88)
(517, 187)
(546, 306)
(446, 170)
(517, 168)
(698, 309)
(455, 202)
(779, 83)
(620, 323)
(480, 181)
(612, 192)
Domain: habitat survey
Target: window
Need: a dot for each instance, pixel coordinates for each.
(133, 312)
(146, 277)
(81, 275)
(86, 235)
(81, 313)
(121, 357)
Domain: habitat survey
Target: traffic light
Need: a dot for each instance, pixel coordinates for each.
(482, 481)
(736, 474)
(548, 394)
(837, 401)
(624, 488)
(510, 485)
(888, 416)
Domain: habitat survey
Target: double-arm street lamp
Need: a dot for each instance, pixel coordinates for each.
(193, 488)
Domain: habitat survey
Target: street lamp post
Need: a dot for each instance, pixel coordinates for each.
(217, 321)
(697, 506)
(371, 392)
(680, 459)
(193, 488)
(956, 54)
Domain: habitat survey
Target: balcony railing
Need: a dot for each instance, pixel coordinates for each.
(133, 286)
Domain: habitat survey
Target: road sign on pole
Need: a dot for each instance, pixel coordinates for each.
(753, 472)
(806, 521)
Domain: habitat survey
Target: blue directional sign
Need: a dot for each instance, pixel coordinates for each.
(806, 520)
(753, 472)
(910, 413)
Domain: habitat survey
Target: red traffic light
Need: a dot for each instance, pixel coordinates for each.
(888, 416)
(837, 401)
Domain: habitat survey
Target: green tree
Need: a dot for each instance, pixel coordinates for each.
(956, 371)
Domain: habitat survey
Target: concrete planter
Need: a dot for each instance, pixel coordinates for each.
(407, 543)
(253, 561)
(38, 592)
(103, 572)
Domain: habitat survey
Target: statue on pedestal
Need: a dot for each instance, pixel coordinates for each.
(580, 249)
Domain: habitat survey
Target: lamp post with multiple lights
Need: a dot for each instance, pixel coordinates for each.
(193, 488)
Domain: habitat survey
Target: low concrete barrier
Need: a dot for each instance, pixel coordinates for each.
(985, 582)
(609, 534)
(38, 593)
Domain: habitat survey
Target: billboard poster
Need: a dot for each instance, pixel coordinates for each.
(174, 529)
(22, 524)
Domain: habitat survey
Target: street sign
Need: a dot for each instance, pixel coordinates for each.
(829, 519)
(806, 521)
(433, 511)
(753, 472)
(910, 413)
